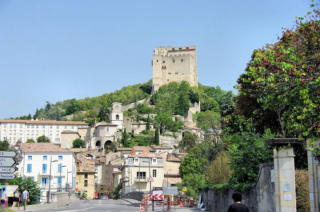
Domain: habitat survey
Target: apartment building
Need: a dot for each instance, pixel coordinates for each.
(22, 130)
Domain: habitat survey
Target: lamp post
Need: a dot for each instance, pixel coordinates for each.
(49, 192)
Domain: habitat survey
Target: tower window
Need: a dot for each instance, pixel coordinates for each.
(164, 61)
(117, 117)
(164, 67)
(181, 60)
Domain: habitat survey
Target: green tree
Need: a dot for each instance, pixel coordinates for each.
(4, 145)
(156, 136)
(29, 184)
(103, 114)
(30, 140)
(282, 82)
(247, 151)
(188, 141)
(78, 143)
(43, 139)
(208, 120)
(125, 138)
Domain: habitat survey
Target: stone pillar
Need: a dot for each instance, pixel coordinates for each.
(314, 179)
(285, 188)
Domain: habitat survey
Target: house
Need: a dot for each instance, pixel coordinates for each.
(45, 161)
(140, 171)
(85, 175)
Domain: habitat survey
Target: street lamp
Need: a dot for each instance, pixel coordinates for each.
(49, 194)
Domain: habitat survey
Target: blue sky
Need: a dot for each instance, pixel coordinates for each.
(62, 49)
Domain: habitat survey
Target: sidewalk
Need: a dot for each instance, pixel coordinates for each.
(53, 205)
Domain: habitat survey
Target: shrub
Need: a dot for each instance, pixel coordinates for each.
(302, 190)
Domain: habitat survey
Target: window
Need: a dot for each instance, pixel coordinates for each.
(86, 175)
(107, 129)
(173, 60)
(44, 157)
(60, 157)
(44, 181)
(29, 157)
(85, 183)
(181, 60)
(117, 117)
(164, 67)
(60, 167)
(44, 168)
(154, 173)
(59, 181)
(141, 175)
(164, 61)
(29, 168)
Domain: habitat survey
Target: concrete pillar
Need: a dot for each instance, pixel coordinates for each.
(285, 188)
(314, 179)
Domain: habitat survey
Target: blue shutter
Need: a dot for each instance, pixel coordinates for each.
(59, 167)
(44, 168)
(29, 157)
(29, 168)
(44, 157)
(59, 181)
(43, 181)
(60, 157)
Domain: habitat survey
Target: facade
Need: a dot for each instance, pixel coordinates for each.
(67, 138)
(42, 160)
(85, 177)
(174, 64)
(142, 171)
(22, 130)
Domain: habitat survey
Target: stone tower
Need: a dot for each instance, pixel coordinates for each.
(116, 115)
(174, 64)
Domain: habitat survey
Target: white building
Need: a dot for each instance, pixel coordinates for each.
(22, 130)
(141, 171)
(42, 160)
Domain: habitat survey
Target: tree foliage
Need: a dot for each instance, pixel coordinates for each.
(29, 184)
(43, 139)
(78, 143)
(247, 151)
(165, 122)
(282, 82)
(188, 141)
(30, 140)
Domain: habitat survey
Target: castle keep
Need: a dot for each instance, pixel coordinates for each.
(174, 64)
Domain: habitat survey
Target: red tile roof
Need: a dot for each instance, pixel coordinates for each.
(41, 147)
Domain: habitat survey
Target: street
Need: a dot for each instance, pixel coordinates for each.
(123, 205)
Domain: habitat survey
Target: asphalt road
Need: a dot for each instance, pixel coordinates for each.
(91, 206)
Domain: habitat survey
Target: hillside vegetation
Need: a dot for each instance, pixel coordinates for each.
(171, 99)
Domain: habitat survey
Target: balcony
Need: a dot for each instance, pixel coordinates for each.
(142, 180)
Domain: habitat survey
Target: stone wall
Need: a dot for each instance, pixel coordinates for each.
(260, 198)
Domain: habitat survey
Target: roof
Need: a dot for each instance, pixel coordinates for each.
(160, 147)
(145, 154)
(77, 150)
(41, 147)
(124, 149)
(141, 148)
(43, 122)
(85, 165)
(104, 124)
